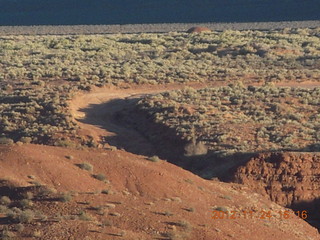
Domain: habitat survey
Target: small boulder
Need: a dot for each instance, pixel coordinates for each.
(198, 30)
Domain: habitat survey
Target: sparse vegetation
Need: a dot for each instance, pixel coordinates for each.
(189, 181)
(84, 216)
(100, 177)
(190, 209)
(185, 225)
(226, 197)
(154, 159)
(233, 119)
(106, 223)
(65, 197)
(121, 233)
(37, 234)
(85, 166)
(28, 195)
(19, 227)
(5, 234)
(176, 199)
(106, 191)
(115, 214)
(220, 208)
(5, 200)
(35, 109)
(6, 141)
(110, 205)
(168, 213)
(25, 203)
(175, 235)
(3, 209)
(39, 75)
(239, 53)
(26, 216)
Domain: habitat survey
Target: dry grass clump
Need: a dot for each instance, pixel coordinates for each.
(37, 234)
(25, 203)
(85, 166)
(84, 216)
(100, 177)
(17, 215)
(26, 216)
(185, 225)
(167, 213)
(6, 141)
(5, 200)
(6, 234)
(154, 159)
(65, 197)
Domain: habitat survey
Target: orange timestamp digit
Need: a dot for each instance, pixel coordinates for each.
(302, 214)
(263, 214)
(287, 214)
(216, 214)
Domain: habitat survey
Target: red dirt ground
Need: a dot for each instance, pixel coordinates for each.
(145, 194)
(146, 199)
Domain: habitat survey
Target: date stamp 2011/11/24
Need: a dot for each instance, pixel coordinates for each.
(263, 214)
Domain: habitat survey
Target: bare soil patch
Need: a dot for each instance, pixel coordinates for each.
(145, 200)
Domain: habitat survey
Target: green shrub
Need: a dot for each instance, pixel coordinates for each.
(19, 227)
(6, 141)
(185, 225)
(106, 191)
(5, 234)
(65, 197)
(100, 177)
(84, 216)
(26, 139)
(85, 166)
(37, 234)
(64, 143)
(3, 209)
(5, 200)
(154, 159)
(25, 203)
(26, 216)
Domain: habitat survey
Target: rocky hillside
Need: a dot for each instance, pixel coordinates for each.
(61, 193)
(289, 178)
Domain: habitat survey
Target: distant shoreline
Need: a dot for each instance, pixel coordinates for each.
(149, 28)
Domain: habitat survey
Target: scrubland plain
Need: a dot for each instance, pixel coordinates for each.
(71, 105)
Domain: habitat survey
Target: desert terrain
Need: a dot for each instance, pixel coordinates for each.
(175, 135)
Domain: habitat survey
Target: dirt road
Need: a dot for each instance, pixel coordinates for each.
(94, 112)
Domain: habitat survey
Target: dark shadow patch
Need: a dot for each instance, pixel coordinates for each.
(311, 209)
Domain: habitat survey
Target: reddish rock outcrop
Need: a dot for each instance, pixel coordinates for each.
(198, 30)
(290, 179)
